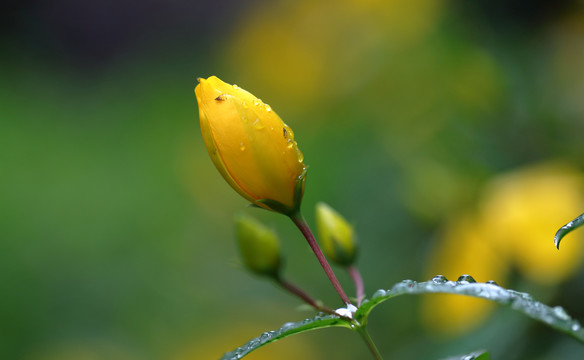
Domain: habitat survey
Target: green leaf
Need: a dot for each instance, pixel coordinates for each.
(564, 230)
(319, 322)
(555, 317)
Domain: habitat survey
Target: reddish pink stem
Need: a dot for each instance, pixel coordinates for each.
(304, 296)
(303, 226)
(358, 280)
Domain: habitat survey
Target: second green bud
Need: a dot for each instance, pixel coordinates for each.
(336, 235)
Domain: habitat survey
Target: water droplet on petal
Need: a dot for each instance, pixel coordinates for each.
(576, 326)
(466, 279)
(241, 146)
(235, 86)
(492, 282)
(244, 104)
(300, 155)
(268, 108)
(439, 279)
(257, 124)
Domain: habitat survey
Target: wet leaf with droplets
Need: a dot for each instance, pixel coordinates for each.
(476, 355)
(555, 317)
(320, 321)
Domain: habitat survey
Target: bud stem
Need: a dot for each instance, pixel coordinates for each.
(358, 280)
(299, 221)
(304, 296)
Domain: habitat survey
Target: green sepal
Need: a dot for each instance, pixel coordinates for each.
(278, 207)
(342, 257)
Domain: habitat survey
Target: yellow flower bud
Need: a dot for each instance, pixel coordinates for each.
(258, 245)
(336, 235)
(253, 149)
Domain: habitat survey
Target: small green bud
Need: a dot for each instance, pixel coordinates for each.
(258, 245)
(336, 235)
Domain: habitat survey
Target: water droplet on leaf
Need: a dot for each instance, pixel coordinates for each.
(561, 313)
(466, 279)
(439, 279)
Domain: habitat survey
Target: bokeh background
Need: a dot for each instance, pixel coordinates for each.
(448, 132)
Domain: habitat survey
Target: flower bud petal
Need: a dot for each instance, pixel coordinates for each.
(336, 235)
(253, 149)
(258, 245)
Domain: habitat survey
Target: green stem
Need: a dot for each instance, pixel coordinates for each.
(362, 330)
(299, 221)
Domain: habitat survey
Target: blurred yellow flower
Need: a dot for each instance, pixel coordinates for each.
(514, 226)
(336, 235)
(253, 149)
(523, 210)
(302, 46)
(462, 248)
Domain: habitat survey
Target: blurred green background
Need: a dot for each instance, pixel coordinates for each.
(116, 235)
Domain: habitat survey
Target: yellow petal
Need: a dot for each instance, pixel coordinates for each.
(250, 145)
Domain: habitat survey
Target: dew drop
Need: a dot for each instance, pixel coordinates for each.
(466, 279)
(241, 146)
(289, 143)
(561, 313)
(492, 282)
(287, 326)
(575, 326)
(257, 102)
(257, 124)
(265, 337)
(244, 104)
(235, 87)
(268, 108)
(439, 279)
(300, 155)
(378, 293)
